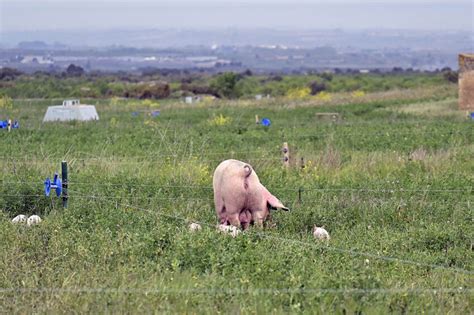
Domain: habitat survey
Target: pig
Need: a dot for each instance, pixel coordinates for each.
(239, 197)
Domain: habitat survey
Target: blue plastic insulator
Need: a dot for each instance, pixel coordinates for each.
(472, 115)
(16, 124)
(3, 124)
(57, 184)
(155, 113)
(47, 187)
(266, 122)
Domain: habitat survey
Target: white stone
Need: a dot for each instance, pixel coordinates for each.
(320, 233)
(228, 229)
(194, 227)
(33, 220)
(19, 219)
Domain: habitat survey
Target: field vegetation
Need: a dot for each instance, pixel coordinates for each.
(391, 180)
(175, 84)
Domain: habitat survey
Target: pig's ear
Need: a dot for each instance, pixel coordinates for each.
(273, 202)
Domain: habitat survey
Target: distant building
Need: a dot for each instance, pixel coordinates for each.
(71, 110)
(192, 99)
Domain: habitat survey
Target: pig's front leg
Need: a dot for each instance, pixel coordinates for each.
(258, 218)
(233, 219)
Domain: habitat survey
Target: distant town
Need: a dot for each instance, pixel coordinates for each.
(262, 51)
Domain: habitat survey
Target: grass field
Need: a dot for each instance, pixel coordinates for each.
(392, 182)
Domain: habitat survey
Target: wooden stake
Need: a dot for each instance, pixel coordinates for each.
(302, 163)
(257, 121)
(9, 125)
(286, 154)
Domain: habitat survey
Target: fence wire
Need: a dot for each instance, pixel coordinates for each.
(301, 188)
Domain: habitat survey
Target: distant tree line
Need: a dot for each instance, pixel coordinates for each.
(151, 83)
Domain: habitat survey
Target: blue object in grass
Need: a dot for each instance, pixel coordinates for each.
(134, 114)
(155, 113)
(3, 124)
(55, 184)
(16, 124)
(472, 115)
(266, 122)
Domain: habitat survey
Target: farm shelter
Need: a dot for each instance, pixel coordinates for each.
(466, 81)
(71, 110)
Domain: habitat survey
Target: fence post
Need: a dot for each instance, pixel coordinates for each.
(257, 121)
(64, 183)
(9, 125)
(286, 154)
(302, 163)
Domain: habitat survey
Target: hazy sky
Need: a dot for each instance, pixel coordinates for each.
(31, 15)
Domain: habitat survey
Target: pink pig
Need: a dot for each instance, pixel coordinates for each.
(239, 197)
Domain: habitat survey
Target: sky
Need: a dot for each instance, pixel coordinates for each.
(63, 15)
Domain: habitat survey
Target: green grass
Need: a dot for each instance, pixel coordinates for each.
(392, 183)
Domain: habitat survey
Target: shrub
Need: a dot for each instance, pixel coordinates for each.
(154, 90)
(225, 84)
(299, 93)
(74, 71)
(451, 76)
(317, 87)
(8, 74)
(198, 89)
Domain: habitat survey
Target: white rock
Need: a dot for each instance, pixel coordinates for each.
(228, 229)
(194, 227)
(34, 219)
(19, 219)
(320, 233)
(235, 232)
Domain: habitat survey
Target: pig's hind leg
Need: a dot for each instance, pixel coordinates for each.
(221, 211)
(245, 218)
(233, 214)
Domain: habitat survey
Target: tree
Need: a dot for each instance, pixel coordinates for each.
(326, 76)
(317, 87)
(225, 84)
(450, 75)
(7, 74)
(74, 71)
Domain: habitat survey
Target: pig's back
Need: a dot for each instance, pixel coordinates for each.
(231, 174)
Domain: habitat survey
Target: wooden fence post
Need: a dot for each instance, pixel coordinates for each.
(286, 154)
